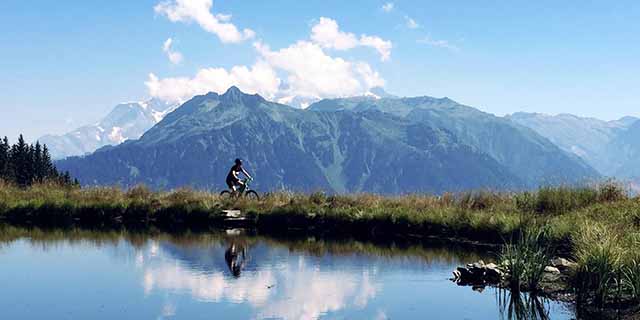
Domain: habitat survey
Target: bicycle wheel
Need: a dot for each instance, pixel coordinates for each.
(252, 195)
(226, 194)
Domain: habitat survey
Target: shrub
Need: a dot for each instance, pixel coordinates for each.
(139, 192)
(479, 200)
(611, 191)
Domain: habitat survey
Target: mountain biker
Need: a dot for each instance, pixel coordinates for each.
(233, 181)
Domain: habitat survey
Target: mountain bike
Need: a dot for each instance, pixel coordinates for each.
(245, 191)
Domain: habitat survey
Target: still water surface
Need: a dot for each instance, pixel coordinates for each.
(238, 277)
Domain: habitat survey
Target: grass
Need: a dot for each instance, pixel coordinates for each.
(525, 260)
(598, 226)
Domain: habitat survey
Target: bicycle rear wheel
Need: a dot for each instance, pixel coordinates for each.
(226, 194)
(252, 195)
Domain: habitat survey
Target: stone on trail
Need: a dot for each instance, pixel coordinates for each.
(232, 213)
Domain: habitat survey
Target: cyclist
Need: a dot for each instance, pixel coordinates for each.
(233, 181)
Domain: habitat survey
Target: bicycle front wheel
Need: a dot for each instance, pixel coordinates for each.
(252, 195)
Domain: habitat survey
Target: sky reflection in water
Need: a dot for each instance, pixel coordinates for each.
(160, 278)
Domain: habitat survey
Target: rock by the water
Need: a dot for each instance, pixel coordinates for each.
(478, 273)
(492, 273)
(563, 264)
(552, 270)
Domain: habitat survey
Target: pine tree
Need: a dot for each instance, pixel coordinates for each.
(25, 164)
(4, 159)
(30, 164)
(38, 165)
(66, 178)
(20, 162)
(47, 165)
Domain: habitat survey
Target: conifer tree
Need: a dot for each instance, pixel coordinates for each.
(4, 159)
(38, 165)
(47, 165)
(20, 162)
(25, 164)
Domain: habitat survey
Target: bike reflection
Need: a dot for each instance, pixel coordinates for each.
(236, 258)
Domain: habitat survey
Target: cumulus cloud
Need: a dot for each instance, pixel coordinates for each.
(260, 78)
(327, 34)
(199, 11)
(410, 23)
(382, 46)
(174, 56)
(313, 73)
(298, 74)
(439, 43)
(302, 290)
(388, 7)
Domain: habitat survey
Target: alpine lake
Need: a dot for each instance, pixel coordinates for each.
(233, 274)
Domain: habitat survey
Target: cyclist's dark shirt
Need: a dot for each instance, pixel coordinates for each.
(235, 169)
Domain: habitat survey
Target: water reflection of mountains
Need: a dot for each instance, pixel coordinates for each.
(210, 256)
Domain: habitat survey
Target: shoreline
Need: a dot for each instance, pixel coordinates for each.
(579, 223)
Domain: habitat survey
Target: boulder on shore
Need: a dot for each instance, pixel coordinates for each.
(478, 273)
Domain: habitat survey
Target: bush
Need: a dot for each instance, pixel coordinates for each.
(611, 191)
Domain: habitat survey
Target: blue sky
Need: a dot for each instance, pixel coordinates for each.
(65, 64)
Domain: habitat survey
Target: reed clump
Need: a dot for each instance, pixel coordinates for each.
(525, 260)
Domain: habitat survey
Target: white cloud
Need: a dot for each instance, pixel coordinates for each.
(313, 73)
(439, 43)
(199, 11)
(387, 7)
(260, 78)
(295, 289)
(410, 23)
(309, 294)
(174, 56)
(300, 73)
(327, 34)
(382, 46)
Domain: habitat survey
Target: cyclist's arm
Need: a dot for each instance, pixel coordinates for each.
(246, 174)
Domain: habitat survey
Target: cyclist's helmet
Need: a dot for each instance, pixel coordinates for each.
(238, 161)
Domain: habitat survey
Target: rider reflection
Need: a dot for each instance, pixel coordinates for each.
(236, 258)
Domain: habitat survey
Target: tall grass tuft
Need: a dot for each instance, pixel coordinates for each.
(526, 259)
(631, 279)
(599, 264)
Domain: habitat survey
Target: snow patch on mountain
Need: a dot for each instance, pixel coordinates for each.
(126, 121)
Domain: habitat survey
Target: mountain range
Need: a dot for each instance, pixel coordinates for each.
(611, 147)
(381, 144)
(125, 122)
